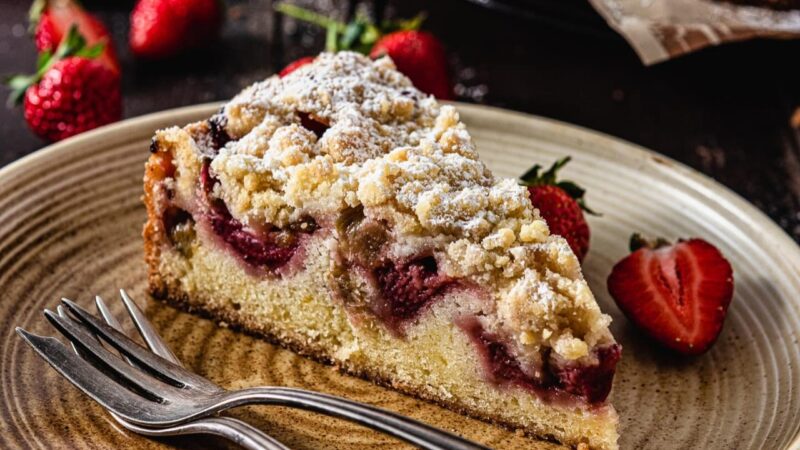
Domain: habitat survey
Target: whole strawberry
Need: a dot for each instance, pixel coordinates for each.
(678, 294)
(163, 28)
(50, 21)
(296, 64)
(417, 54)
(561, 204)
(71, 91)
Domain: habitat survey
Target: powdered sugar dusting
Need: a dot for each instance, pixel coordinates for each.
(346, 131)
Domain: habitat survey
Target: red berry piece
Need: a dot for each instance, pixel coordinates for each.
(678, 294)
(163, 28)
(294, 65)
(419, 56)
(407, 289)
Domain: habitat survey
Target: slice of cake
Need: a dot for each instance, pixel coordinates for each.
(345, 215)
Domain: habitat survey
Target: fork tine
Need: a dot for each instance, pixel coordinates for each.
(245, 435)
(62, 312)
(153, 340)
(108, 317)
(88, 378)
(141, 356)
(106, 313)
(149, 334)
(91, 346)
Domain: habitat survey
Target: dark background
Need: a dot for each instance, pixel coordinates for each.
(724, 111)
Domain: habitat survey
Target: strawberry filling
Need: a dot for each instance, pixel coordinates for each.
(557, 380)
(259, 251)
(312, 123)
(217, 133)
(270, 249)
(400, 289)
(589, 381)
(406, 290)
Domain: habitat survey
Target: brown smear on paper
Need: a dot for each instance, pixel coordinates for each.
(659, 30)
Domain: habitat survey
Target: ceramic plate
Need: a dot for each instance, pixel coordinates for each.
(70, 224)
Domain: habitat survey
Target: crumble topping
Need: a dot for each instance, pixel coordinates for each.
(404, 158)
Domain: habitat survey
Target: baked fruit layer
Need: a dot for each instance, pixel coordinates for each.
(342, 213)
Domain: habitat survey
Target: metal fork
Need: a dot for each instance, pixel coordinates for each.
(237, 431)
(158, 393)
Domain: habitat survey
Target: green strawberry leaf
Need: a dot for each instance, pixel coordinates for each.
(586, 209)
(43, 59)
(352, 33)
(531, 177)
(413, 23)
(73, 44)
(35, 14)
(572, 189)
(370, 35)
(91, 52)
(18, 84)
(549, 177)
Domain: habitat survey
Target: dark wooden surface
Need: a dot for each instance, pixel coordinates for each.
(724, 111)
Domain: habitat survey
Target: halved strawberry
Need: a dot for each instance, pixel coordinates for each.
(52, 19)
(676, 293)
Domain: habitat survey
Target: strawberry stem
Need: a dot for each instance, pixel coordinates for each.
(358, 35)
(413, 23)
(637, 241)
(308, 16)
(550, 178)
(35, 14)
(331, 39)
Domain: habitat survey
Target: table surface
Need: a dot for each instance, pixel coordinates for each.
(724, 111)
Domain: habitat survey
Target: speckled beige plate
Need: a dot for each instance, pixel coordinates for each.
(70, 221)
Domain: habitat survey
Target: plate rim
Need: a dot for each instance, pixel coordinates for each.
(725, 198)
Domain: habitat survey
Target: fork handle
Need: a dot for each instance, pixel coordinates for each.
(242, 433)
(417, 433)
(234, 430)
